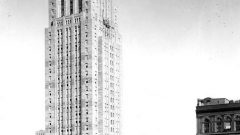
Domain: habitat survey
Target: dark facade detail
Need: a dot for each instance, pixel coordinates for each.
(218, 116)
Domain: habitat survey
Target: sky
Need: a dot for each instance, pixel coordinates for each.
(174, 52)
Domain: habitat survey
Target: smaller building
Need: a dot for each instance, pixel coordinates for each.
(41, 132)
(218, 116)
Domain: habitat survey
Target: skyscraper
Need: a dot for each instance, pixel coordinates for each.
(82, 54)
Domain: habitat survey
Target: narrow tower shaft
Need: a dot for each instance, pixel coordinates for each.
(82, 54)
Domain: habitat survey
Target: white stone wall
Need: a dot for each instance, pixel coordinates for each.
(85, 76)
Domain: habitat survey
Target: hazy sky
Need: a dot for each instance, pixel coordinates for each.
(174, 51)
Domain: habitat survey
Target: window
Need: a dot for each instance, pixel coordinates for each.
(111, 78)
(112, 85)
(62, 8)
(86, 87)
(111, 55)
(86, 73)
(206, 126)
(86, 65)
(111, 48)
(111, 70)
(237, 123)
(71, 6)
(227, 124)
(80, 5)
(86, 57)
(218, 126)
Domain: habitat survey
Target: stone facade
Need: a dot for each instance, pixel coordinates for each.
(83, 48)
(218, 117)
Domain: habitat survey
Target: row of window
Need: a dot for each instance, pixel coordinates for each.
(50, 78)
(221, 125)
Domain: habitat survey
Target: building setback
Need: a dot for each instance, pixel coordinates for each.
(82, 56)
(218, 117)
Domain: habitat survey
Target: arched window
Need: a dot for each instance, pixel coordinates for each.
(227, 124)
(206, 126)
(237, 123)
(218, 124)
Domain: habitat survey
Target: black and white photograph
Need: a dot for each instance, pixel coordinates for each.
(120, 67)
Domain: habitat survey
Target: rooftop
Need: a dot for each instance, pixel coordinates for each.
(210, 105)
(215, 101)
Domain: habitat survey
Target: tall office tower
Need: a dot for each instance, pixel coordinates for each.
(83, 50)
